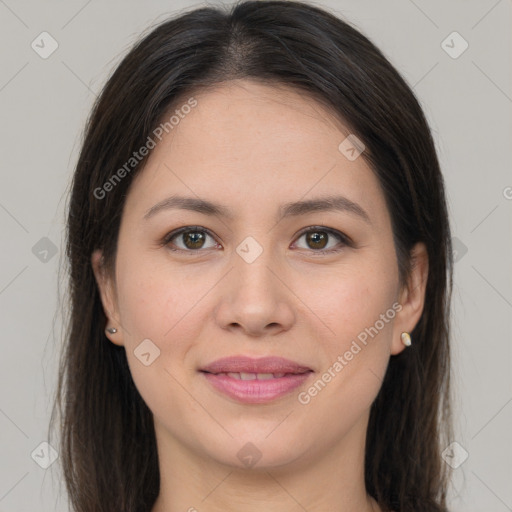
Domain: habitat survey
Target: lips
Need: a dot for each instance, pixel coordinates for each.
(248, 368)
(255, 381)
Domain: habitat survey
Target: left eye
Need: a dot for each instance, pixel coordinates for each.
(193, 239)
(318, 239)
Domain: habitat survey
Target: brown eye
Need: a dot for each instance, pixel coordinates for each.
(318, 239)
(193, 239)
(188, 239)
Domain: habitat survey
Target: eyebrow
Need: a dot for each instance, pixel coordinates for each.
(292, 209)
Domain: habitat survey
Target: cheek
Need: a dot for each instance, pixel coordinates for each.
(154, 297)
(350, 301)
(358, 308)
(157, 303)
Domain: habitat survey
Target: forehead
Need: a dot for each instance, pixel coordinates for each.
(248, 143)
(233, 111)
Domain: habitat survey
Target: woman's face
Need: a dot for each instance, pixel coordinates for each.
(250, 280)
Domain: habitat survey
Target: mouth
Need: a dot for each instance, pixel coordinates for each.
(256, 376)
(255, 381)
(245, 367)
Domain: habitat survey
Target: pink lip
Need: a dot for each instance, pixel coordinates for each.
(256, 391)
(237, 364)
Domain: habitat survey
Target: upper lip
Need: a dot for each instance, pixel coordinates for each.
(237, 364)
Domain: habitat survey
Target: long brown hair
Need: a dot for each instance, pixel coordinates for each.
(108, 448)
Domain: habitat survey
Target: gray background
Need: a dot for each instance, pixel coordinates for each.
(44, 104)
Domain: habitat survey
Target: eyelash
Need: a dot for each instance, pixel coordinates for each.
(344, 239)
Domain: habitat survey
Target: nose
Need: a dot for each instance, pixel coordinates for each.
(255, 298)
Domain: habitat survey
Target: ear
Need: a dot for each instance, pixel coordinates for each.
(108, 296)
(412, 297)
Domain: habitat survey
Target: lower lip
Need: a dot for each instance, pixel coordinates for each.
(256, 391)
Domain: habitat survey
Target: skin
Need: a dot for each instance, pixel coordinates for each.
(253, 147)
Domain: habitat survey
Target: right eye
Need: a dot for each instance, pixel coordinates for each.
(192, 237)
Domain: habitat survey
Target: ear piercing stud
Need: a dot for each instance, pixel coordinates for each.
(406, 339)
(111, 330)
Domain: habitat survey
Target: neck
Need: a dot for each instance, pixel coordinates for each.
(332, 479)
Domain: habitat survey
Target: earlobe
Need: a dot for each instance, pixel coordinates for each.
(412, 298)
(107, 294)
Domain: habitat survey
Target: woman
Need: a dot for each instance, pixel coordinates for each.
(260, 276)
